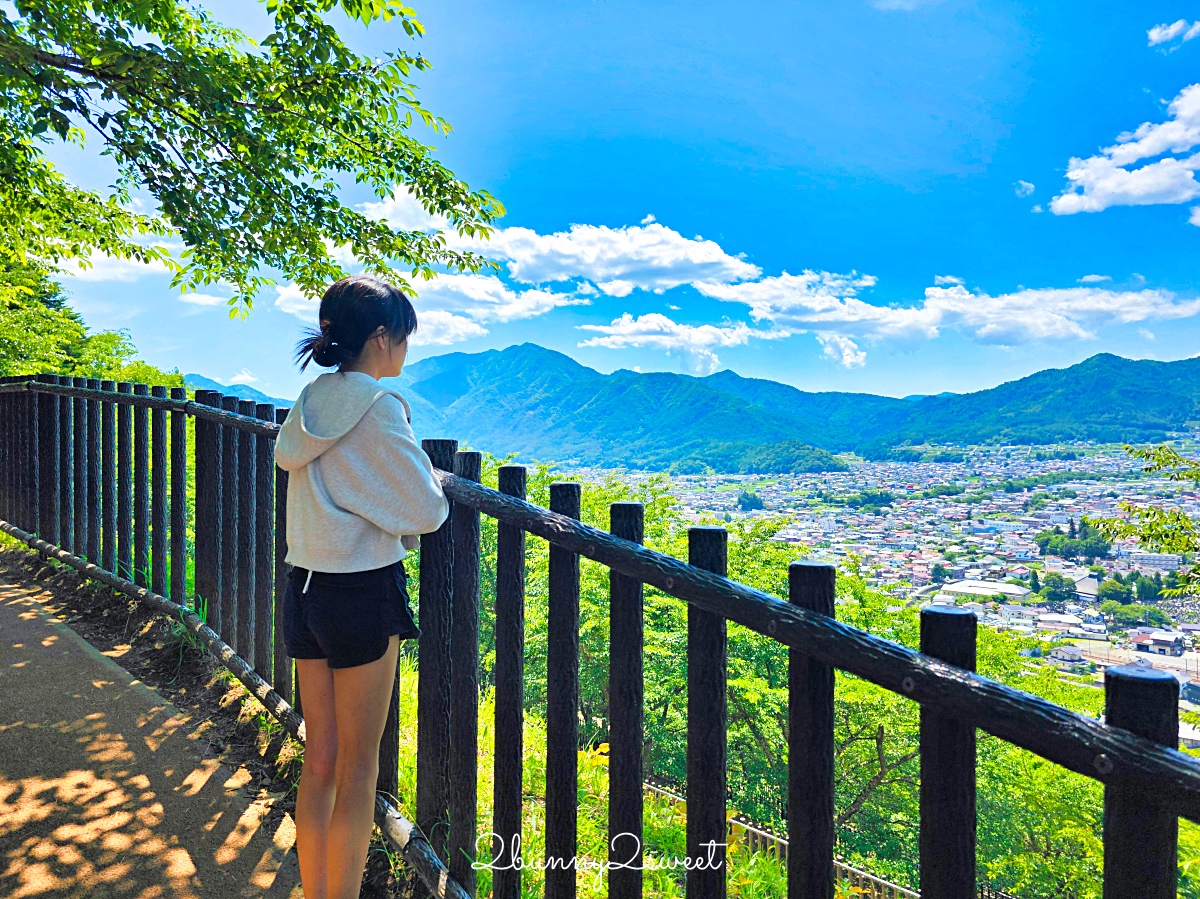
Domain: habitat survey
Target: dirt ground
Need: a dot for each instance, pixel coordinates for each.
(236, 727)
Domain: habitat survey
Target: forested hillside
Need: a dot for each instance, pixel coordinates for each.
(544, 405)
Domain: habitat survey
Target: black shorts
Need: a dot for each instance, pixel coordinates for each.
(346, 618)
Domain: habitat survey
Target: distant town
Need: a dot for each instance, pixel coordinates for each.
(1002, 531)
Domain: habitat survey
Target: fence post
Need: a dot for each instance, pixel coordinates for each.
(510, 692)
(94, 476)
(227, 528)
(707, 720)
(179, 499)
(80, 469)
(810, 746)
(125, 485)
(282, 668)
(433, 669)
(625, 704)
(141, 489)
(1140, 839)
(247, 513)
(8, 454)
(158, 495)
(48, 461)
(562, 705)
(207, 580)
(66, 468)
(947, 835)
(264, 570)
(108, 476)
(33, 495)
(464, 663)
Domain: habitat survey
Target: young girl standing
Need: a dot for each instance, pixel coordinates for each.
(360, 488)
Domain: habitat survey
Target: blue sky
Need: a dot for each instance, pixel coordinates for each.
(893, 196)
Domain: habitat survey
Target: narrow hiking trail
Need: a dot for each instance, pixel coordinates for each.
(107, 789)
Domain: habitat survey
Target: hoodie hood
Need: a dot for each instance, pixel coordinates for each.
(325, 412)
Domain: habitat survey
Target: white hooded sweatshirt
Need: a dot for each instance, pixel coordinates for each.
(358, 480)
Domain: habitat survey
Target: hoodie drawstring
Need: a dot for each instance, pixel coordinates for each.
(306, 581)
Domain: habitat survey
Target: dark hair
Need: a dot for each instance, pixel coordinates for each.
(352, 309)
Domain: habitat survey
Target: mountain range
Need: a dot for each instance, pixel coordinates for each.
(545, 405)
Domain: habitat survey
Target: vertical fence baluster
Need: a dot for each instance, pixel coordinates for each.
(625, 695)
(464, 663)
(94, 476)
(141, 490)
(33, 496)
(9, 442)
(247, 513)
(947, 836)
(108, 477)
(1141, 840)
(707, 720)
(433, 670)
(79, 468)
(48, 462)
(8, 455)
(158, 495)
(16, 412)
(207, 579)
(510, 692)
(810, 746)
(179, 499)
(66, 469)
(8, 452)
(26, 442)
(562, 705)
(264, 572)
(125, 484)
(282, 680)
(227, 529)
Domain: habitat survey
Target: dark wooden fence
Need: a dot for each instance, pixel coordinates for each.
(92, 474)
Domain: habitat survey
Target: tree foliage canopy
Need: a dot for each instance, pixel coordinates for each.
(1159, 529)
(242, 146)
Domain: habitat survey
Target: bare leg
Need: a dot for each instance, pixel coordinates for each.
(314, 799)
(361, 696)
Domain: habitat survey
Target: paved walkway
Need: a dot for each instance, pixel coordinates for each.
(104, 793)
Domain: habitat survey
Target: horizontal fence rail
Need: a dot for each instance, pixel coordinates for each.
(86, 479)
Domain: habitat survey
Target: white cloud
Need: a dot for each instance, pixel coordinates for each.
(1037, 207)
(404, 211)
(647, 220)
(203, 299)
(842, 350)
(1147, 334)
(1104, 180)
(453, 308)
(243, 377)
(827, 302)
(617, 260)
(291, 300)
(1023, 188)
(440, 328)
(1194, 218)
(1093, 279)
(695, 342)
(487, 298)
(1161, 34)
(947, 279)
